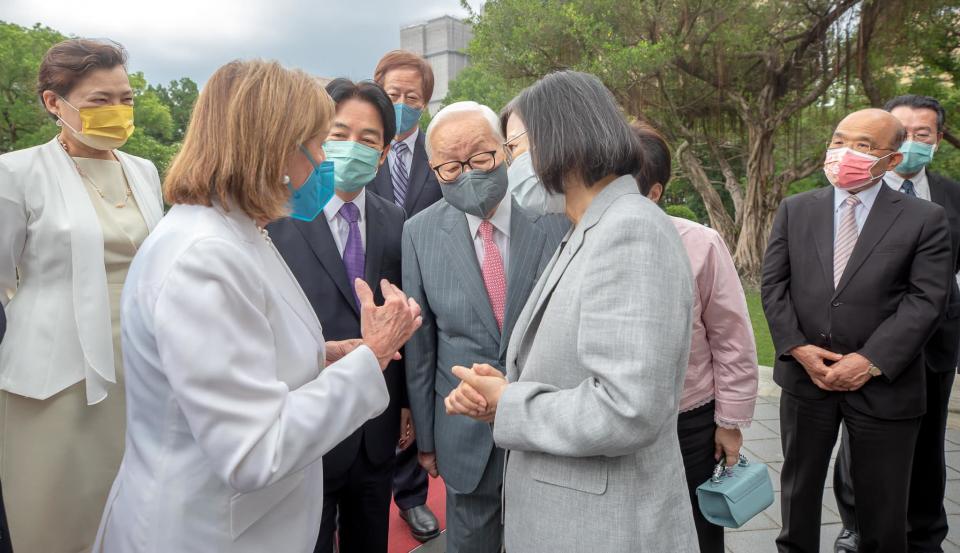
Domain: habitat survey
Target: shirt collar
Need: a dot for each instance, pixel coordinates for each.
(895, 181)
(411, 141)
(500, 219)
(332, 208)
(867, 196)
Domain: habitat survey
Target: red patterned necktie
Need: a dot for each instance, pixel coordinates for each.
(492, 269)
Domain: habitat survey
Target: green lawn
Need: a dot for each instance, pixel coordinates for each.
(765, 351)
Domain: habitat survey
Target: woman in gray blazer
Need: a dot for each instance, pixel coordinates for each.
(596, 360)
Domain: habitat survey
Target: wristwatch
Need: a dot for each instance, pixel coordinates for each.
(873, 370)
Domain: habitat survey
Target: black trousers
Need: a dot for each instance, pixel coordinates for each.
(881, 455)
(409, 480)
(926, 517)
(356, 508)
(696, 429)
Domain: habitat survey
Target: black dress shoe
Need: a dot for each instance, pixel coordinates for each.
(847, 542)
(422, 522)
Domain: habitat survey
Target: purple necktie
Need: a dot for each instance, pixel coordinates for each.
(353, 256)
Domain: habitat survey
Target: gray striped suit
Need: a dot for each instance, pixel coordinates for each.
(441, 272)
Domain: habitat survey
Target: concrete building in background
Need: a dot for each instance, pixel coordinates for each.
(443, 42)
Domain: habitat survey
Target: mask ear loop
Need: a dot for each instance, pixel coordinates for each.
(874, 164)
(61, 122)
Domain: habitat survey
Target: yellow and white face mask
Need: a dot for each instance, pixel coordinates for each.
(103, 127)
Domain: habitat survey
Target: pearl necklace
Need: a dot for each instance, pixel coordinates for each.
(119, 205)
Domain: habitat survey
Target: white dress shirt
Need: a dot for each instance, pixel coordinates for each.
(867, 197)
(501, 232)
(340, 227)
(411, 142)
(920, 184)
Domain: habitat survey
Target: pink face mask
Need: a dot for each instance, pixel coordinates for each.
(846, 168)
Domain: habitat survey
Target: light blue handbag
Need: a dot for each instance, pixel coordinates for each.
(734, 495)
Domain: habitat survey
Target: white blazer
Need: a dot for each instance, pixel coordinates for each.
(59, 330)
(228, 414)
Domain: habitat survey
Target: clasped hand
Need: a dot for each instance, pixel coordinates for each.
(848, 373)
(478, 394)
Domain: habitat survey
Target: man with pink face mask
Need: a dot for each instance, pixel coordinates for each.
(855, 279)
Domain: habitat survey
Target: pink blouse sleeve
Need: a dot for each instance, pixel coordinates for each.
(730, 335)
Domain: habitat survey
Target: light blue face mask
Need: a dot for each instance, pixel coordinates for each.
(407, 117)
(916, 156)
(308, 201)
(354, 164)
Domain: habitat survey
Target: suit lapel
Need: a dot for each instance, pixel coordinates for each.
(526, 247)
(822, 229)
(886, 209)
(318, 236)
(383, 183)
(462, 252)
(419, 169)
(373, 257)
(937, 193)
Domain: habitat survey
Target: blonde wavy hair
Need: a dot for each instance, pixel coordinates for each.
(249, 118)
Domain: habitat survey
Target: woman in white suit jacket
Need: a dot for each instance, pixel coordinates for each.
(230, 406)
(73, 212)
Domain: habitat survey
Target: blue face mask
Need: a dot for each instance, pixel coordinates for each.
(308, 201)
(916, 156)
(407, 117)
(354, 164)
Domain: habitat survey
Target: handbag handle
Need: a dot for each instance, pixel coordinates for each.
(721, 469)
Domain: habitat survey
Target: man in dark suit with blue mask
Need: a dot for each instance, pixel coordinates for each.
(407, 180)
(357, 236)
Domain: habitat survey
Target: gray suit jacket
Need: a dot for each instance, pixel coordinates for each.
(441, 272)
(596, 365)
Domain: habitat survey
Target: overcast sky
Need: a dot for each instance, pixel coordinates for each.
(169, 39)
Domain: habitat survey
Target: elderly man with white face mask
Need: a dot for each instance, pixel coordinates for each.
(471, 261)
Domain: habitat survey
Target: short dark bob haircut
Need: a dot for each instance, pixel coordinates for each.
(917, 101)
(342, 90)
(576, 129)
(656, 157)
(68, 62)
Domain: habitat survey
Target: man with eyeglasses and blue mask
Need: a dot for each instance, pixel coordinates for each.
(923, 119)
(471, 260)
(406, 179)
(356, 236)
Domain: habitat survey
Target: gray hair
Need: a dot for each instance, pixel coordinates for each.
(459, 108)
(575, 127)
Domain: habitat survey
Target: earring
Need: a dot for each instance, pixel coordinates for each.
(59, 122)
(286, 179)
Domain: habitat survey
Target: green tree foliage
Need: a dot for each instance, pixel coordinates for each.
(747, 92)
(161, 113)
(474, 83)
(22, 120)
(682, 212)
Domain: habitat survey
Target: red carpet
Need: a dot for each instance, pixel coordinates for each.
(400, 539)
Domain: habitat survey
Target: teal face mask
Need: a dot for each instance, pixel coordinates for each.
(308, 201)
(407, 117)
(354, 164)
(916, 156)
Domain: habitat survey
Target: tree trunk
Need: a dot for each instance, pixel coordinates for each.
(759, 204)
(720, 220)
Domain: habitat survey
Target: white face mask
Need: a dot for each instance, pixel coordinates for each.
(521, 170)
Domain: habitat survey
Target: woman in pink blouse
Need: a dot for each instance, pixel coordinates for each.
(720, 387)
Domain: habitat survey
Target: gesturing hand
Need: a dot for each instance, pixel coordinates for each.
(386, 328)
(336, 351)
(812, 358)
(478, 394)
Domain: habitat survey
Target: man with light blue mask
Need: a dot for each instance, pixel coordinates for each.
(472, 260)
(357, 236)
(524, 184)
(923, 118)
